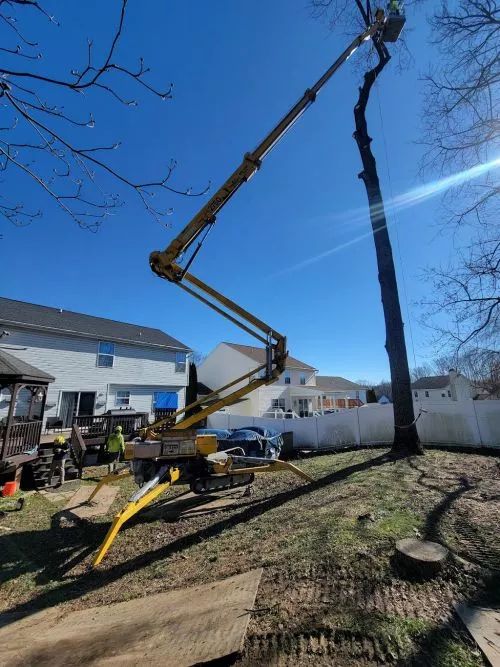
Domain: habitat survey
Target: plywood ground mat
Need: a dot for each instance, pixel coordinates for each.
(178, 628)
(484, 626)
(99, 506)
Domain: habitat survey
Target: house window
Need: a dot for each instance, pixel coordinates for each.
(443, 395)
(426, 394)
(302, 378)
(449, 393)
(105, 354)
(287, 379)
(180, 362)
(278, 403)
(415, 393)
(122, 398)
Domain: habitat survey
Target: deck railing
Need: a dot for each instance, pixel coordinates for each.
(19, 438)
(98, 427)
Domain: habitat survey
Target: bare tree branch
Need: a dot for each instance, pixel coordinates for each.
(461, 131)
(38, 128)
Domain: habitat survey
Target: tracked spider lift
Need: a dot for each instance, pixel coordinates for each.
(167, 452)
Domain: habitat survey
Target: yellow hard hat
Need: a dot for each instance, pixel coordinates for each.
(59, 440)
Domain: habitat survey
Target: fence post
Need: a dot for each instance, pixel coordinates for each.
(357, 428)
(477, 424)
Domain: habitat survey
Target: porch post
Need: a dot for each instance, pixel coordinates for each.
(32, 399)
(13, 397)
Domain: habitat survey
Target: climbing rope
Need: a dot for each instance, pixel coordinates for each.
(413, 422)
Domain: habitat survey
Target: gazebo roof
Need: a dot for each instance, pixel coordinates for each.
(13, 370)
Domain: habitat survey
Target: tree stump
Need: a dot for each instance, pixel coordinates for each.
(420, 557)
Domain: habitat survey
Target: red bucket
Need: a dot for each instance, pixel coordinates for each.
(9, 489)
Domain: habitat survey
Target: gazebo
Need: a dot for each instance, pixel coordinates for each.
(20, 435)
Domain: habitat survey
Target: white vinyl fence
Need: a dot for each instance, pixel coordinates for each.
(461, 423)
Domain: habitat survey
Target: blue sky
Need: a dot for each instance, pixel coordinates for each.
(237, 68)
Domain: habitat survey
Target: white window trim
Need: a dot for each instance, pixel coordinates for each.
(180, 363)
(118, 399)
(280, 402)
(105, 354)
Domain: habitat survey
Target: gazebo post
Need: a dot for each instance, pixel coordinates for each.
(14, 388)
(32, 400)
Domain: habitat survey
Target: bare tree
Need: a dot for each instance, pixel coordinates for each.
(424, 370)
(405, 437)
(462, 131)
(41, 141)
(467, 293)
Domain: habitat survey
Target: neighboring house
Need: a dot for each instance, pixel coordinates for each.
(340, 393)
(98, 364)
(383, 399)
(296, 390)
(442, 388)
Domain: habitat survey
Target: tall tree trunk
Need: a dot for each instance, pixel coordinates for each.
(405, 431)
(192, 391)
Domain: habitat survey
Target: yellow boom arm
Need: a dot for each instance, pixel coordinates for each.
(166, 265)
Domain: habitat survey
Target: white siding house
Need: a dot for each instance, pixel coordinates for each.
(442, 388)
(298, 389)
(98, 364)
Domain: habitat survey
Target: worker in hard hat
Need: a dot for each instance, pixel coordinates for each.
(115, 446)
(58, 462)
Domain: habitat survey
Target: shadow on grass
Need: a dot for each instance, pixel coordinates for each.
(444, 643)
(58, 550)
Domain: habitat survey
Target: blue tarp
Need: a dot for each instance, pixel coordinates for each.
(166, 399)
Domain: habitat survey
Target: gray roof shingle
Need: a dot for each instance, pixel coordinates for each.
(67, 322)
(336, 383)
(432, 382)
(258, 354)
(14, 368)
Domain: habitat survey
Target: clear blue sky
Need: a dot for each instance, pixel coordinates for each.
(237, 67)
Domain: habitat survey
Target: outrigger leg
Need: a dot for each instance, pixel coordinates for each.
(165, 478)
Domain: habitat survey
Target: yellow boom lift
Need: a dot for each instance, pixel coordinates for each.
(167, 451)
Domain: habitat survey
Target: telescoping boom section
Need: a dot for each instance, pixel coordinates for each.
(167, 452)
(167, 263)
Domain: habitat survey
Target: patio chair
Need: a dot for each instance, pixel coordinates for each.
(54, 423)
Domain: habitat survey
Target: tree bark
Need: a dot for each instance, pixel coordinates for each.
(192, 391)
(406, 438)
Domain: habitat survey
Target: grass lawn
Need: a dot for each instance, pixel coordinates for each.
(330, 593)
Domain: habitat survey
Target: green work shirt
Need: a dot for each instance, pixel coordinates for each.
(115, 443)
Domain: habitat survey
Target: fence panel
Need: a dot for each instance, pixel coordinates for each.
(376, 424)
(488, 419)
(338, 429)
(448, 424)
(460, 423)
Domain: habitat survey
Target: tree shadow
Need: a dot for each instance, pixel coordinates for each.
(65, 548)
(432, 647)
